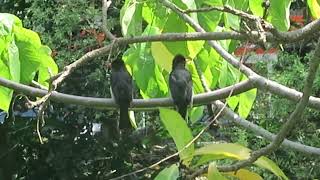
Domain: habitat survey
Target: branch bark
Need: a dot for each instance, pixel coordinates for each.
(137, 104)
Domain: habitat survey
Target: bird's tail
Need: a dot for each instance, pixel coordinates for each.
(183, 111)
(124, 118)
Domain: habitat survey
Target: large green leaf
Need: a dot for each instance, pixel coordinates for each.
(21, 56)
(131, 18)
(179, 131)
(175, 24)
(231, 20)
(5, 93)
(256, 7)
(246, 101)
(229, 76)
(7, 22)
(155, 13)
(235, 151)
(32, 55)
(209, 63)
(314, 6)
(279, 12)
(171, 173)
(47, 68)
(146, 73)
(197, 85)
(14, 62)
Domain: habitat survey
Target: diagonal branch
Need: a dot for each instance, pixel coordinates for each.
(290, 123)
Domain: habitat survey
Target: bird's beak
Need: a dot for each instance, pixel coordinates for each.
(188, 59)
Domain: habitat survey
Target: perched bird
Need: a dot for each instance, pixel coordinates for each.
(180, 84)
(122, 92)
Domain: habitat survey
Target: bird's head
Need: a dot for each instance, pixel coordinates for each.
(117, 64)
(178, 61)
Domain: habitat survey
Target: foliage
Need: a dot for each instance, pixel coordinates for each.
(71, 151)
(22, 56)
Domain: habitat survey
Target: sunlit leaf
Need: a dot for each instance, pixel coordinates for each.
(7, 22)
(179, 131)
(146, 73)
(235, 151)
(5, 93)
(314, 7)
(33, 55)
(256, 7)
(244, 174)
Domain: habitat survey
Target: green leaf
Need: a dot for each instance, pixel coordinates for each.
(162, 56)
(5, 93)
(187, 4)
(209, 20)
(47, 68)
(229, 76)
(186, 48)
(235, 151)
(171, 173)
(7, 22)
(244, 174)
(213, 173)
(197, 85)
(246, 101)
(209, 63)
(314, 6)
(155, 13)
(32, 54)
(196, 113)
(231, 20)
(179, 131)
(256, 7)
(175, 24)
(146, 73)
(279, 12)
(131, 18)
(14, 62)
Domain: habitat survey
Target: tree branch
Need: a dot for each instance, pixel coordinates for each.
(230, 115)
(290, 123)
(137, 104)
(105, 6)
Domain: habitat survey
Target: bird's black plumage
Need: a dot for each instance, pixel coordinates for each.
(121, 86)
(180, 84)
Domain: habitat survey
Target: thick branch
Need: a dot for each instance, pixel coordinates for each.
(137, 104)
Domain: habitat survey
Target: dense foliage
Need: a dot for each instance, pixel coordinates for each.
(71, 151)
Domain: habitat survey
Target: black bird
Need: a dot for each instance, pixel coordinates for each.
(180, 84)
(121, 86)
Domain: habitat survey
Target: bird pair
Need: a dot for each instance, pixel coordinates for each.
(180, 84)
